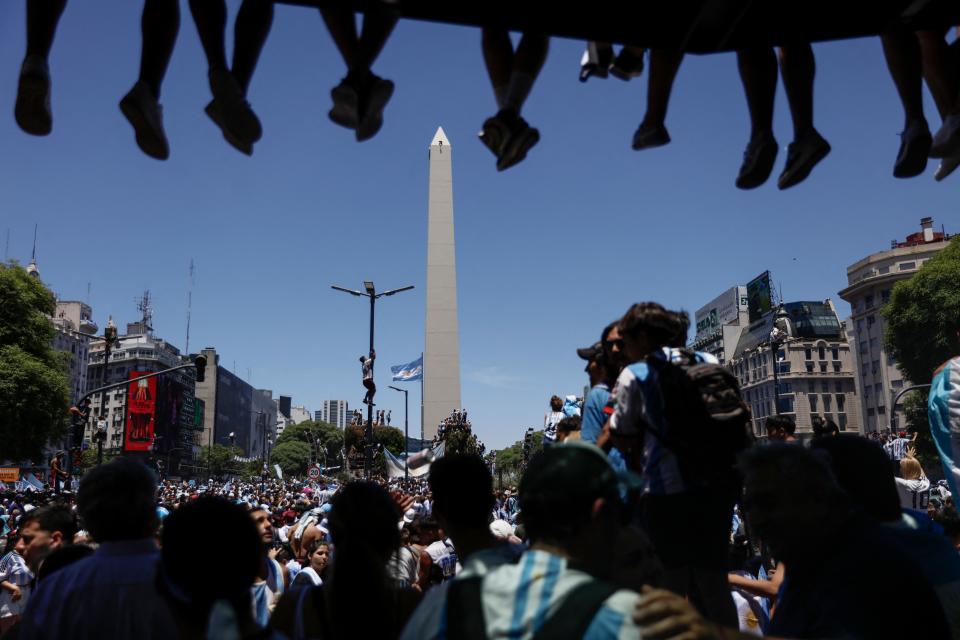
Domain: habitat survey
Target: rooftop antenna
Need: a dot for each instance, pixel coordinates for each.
(189, 308)
(145, 308)
(33, 256)
(88, 292)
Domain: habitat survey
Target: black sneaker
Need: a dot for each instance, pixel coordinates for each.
(915, 142)
(647, 137)
(627, 65)
(346, 105)
(32, 110)
(802, 156)
(243, 146)
(521, 140)
(758, 161)
(145, 115)
(496, 131)
(373, 101)
(234, 111)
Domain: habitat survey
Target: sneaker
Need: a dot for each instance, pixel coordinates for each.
(594, 63)
(32, 110)
(243, 146)
(346, 105)
(946, 167)
(647, 137)
(946, 141)
(802, 156)
(521, 140)
(375, 100)
(627, 65)
(914, 148)
(496, 131)
(235, 113)
(758, 161)
(145, 115)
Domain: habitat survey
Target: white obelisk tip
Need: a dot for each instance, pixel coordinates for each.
(440, 138)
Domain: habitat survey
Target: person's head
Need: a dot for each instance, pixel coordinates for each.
(191, 599)
(318, 554)
(646, 327)
(556, 403)
(829, 429)
(910, 469)
(816, 424)
(362, 359)
(790, 496)
(261, 518)
(780, 427)
(569, 498)
(612, 343)
(682, 327)
(462, 491)
(42, 531)
(568, 427)
(862, 470)
(117, 501)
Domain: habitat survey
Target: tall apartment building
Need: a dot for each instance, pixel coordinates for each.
(300, 414)
(75, 329)
(815, 368)
(231, 405)
(869, 283)
(336, 412)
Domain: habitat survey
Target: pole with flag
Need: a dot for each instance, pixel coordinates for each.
(408, 372)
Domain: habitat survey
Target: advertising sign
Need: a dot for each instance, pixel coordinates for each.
(720, 311)
(9, 474)
(759, 296)
(141, 411)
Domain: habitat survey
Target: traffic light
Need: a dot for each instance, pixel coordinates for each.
(200, 362)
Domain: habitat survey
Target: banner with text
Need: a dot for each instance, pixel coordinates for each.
(141, 412)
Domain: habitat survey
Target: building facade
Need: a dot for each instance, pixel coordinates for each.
(264, 423)
(815, 368)
(335, 412)
(720, 322)
(75, 327)
(869, 285)
(300, 414)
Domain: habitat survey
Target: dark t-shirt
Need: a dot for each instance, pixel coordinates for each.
(861, 585)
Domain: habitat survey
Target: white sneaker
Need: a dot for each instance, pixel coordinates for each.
(32, 110)
(946, 141)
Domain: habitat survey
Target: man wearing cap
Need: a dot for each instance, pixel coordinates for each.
(571, 509)
(602, 370)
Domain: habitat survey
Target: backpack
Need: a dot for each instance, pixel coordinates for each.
(708, 421)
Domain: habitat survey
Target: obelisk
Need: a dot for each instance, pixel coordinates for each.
(441, 354)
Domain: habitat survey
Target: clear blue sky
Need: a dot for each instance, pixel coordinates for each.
(547, 252)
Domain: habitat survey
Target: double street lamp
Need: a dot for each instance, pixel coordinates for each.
(370, 292)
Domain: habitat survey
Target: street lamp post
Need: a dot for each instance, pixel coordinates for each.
(406, 433)
(370, 292)
(778, 336)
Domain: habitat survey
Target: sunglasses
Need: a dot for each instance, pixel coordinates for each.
(609, 344)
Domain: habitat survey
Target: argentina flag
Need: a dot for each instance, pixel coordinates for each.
(408, 372)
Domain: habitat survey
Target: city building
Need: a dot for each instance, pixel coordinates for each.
(815, 369)
(264, 423)
(283, 406)
(75, 327)
(335, 412)
(300, 414)
(441, 355)
(175, 420)
(230, 408)
(869, 284)
(719, 323)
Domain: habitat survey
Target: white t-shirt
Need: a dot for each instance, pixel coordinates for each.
(444, 556)
(550, 421)
(914, 494)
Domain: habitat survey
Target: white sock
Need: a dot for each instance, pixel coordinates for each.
(520, 86)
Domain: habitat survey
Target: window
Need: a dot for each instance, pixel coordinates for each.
(843, 422)
(884, 269)
(838, 386)
(836, 367)
(881, 411)
(822, 352)
(824, 386)
(823, 367)
(841, 403)
(863, 346)
(786, 387)
(874, 343)
(827, 403)
(786, 405)
(875, 366)
(859, 326)
(809, 367)
(871, 412)
(813, 403)
(878, 389)
(835, 353)
(896, 384)
(868, 301)
(907, 266)
(885, 295)
(808, 354)
(784, 367)
(871, 319)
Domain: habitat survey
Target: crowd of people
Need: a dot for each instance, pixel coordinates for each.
(654, 513)
(359, 100)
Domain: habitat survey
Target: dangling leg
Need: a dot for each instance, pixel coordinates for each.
(32, 110)
(758, 73)
(798, 67)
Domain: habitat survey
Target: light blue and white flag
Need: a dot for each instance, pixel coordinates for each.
(408, 372)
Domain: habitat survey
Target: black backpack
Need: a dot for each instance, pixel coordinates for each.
(709, 424)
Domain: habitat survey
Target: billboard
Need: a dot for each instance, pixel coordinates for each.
(722, 310)
(141, 412)
(759, 296)
(9, 474)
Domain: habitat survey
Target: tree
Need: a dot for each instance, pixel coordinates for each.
(512, 457)
(293, 456)
(309, 432)
(923, 316)
(34, 388)
(461, 441)
(222, 459)
(390, 437)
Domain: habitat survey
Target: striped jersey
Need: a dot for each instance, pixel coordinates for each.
(943, 410)
(898, 448)
(638, 407)
(518, 598)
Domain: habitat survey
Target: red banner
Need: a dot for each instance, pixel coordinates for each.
(141, 410)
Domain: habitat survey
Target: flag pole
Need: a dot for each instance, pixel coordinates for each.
(421, 397)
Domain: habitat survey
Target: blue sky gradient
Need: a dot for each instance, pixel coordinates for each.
(548, 252)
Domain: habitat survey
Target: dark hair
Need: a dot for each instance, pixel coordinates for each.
(363, 525)
(568, 424)
(314, 544)
(116, 501)
(651, 318)
(61, 557)
(462, 490)
(863, 471)
(53, 518)
(232, 579)
(556, 400)
(780, 422)
(682, 321)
